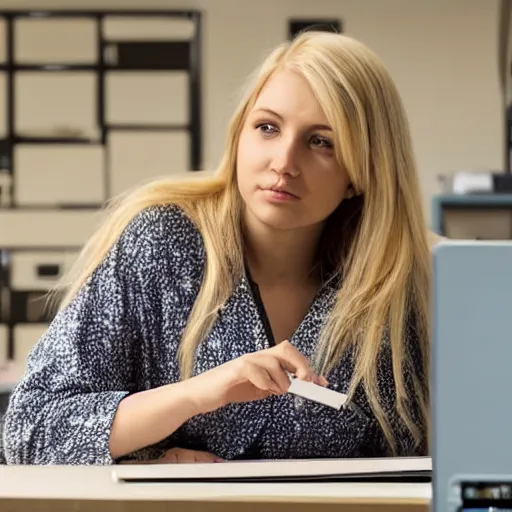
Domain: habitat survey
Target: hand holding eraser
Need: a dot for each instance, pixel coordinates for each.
(317, 393)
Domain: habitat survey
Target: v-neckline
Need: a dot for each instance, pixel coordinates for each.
(260, 306)
(262, 313)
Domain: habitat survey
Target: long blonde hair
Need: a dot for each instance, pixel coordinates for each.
(377, 240)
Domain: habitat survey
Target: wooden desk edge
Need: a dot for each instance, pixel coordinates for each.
(219, 505)
(269, 499)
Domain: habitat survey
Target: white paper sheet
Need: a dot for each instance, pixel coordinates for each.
(317, 393)
(395, 468)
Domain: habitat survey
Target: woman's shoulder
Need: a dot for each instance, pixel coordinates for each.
(163, 220)
(161, 230)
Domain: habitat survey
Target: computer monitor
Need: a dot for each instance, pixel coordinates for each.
(471, 372)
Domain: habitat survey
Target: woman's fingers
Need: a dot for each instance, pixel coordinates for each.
(206, 457)
(169, 457)
(258, 375)
(277, 374)
(184, 456)
(296, 363)
(279, 362)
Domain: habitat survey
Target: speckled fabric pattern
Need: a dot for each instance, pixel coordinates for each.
(120, 335)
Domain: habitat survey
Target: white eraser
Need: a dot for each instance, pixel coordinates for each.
(317, 393)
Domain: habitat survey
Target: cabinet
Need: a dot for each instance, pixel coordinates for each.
(4, 344)
(473, 216)
(92, 103)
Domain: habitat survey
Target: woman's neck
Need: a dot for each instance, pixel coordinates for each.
(278, 256)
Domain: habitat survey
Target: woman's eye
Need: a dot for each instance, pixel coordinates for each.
(267, 129)
(321, 142)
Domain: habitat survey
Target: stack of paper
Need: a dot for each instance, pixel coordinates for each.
(398, 469)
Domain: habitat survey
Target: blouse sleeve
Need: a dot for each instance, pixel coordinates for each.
(83, 366)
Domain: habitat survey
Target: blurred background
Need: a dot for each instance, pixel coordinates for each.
(107, 94)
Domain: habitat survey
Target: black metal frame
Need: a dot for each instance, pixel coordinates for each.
(298, 25)
(101, 67)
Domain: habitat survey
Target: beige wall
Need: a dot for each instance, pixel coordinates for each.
(443, 55)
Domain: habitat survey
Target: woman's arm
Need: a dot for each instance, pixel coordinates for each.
(145, 418)
(78, 401)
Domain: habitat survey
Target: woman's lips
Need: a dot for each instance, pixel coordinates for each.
(279, 195)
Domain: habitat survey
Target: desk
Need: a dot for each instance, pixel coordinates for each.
(84, 489)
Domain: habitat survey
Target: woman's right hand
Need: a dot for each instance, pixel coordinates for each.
(250, 377)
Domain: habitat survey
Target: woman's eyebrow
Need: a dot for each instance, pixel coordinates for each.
(279, 116)
(269, 111)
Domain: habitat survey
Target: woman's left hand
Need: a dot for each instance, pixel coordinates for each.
(180, 456)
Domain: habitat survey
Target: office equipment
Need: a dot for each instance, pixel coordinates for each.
(474, 493)
(393, 469)
(477, 182)
(471, 367)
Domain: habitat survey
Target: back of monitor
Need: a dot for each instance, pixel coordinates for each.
(471, 366)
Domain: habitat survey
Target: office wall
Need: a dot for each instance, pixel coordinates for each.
(443, 55)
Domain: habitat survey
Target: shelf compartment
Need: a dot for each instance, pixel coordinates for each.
(55, 175)
(148, 55)
(150, 28)
(130, 98)
(50, 228)
(138, 157)
(55, 41)
(56, 106)
(39, 270)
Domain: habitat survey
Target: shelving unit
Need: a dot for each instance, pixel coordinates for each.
(473, 216)
(91, 103)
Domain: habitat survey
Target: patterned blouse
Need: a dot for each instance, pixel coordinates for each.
(120, 335)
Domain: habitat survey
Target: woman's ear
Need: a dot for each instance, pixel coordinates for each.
(350, 193)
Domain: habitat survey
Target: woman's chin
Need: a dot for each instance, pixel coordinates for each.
(280, 220)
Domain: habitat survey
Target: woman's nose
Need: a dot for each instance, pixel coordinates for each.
(285, 161)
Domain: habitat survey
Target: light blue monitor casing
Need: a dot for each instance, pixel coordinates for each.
(471, 375)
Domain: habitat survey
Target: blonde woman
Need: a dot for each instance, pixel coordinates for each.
(306, 254)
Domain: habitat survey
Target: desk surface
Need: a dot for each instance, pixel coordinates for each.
(96, 483)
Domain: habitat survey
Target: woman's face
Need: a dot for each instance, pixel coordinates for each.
(287, 171)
